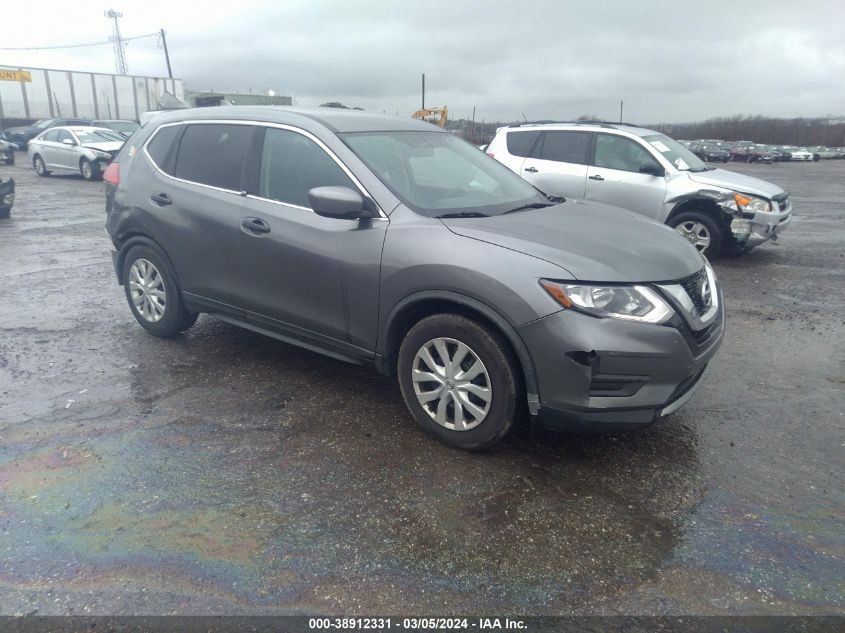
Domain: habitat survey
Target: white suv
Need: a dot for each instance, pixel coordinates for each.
(649, 173)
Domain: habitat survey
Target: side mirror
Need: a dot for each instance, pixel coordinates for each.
(338, 202)
(68, 141)
(653, 169)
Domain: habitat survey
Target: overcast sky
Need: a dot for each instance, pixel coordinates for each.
(669, 61)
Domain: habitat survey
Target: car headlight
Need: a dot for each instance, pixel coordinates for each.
(746, 204)
(9, 199)
(629, 303)
(102, 154)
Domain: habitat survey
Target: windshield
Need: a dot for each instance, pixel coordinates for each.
(437, 174)
(681, 158)
(98, 136)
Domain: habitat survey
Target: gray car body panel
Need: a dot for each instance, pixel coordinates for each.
(339, 286)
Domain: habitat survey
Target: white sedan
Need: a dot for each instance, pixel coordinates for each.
(81, 150)
(802, 154)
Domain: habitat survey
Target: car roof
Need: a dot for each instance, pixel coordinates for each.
(114, 121)
(631, 128)
(338, 120)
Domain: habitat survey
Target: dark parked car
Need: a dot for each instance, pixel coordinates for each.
(7, 197)
(781, 154)
(124, 127)
(21, 135)
(711, 153)
(394, 244)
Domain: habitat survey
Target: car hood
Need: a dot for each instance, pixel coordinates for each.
(736, 182)
(108, 146)
(592, 241)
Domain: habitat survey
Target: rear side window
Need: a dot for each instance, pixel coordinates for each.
(566, 147)
(520, 143)
(161, 148)
(213, 154)
(292, 165)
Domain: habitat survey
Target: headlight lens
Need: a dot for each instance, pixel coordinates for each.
(101, 154)
(630, 303)
(746, 204)
(9, 199)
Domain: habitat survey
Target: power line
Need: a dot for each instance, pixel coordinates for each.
(50, 48)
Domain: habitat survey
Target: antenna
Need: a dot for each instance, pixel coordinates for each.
(119, 46)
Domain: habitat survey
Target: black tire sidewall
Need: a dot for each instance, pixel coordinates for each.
(176, 318)
(93, 170)
(717, 239)
(44, 171)
(493, 351)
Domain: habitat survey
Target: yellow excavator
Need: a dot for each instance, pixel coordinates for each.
(438, 116)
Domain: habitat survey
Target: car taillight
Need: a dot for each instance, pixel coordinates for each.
(112, 174)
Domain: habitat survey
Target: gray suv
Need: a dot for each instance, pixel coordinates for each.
(644, 171)
(391, 243)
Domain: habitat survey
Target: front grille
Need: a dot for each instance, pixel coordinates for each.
(691, 286)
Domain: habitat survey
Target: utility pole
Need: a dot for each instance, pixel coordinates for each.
(423, 91)
(119, 46)
(166, 54)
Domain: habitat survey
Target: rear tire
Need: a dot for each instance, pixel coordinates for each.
(152, 293)
(699, 225)
(479, 393)
(39, 166)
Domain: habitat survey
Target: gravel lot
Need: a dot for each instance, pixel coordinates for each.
(225, 472)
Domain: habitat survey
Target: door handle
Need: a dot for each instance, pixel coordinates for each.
(161, 199)
(255, 225)
(596, 177)
(532, 170)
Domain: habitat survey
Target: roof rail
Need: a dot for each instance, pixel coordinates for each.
(599, 123)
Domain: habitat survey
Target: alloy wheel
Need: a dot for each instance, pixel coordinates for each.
(87, 170)
(696, 233)
(452, 384)
(146, 287)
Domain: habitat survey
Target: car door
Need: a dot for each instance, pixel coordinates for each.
(46, 147)
(195, 199)
(558, 164)
(310, 275)
(66, 155)
(615, 176)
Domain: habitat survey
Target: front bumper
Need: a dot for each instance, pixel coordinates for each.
(606, 374)
(768, 226)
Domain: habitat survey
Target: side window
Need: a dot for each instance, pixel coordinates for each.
(292, 165)
(213, 154)
(51, 135)
(64, 135)
(618, 152)
(520, 143)
(161, 148)
(566, 147)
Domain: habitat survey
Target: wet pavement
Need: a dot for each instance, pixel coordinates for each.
(225, 472)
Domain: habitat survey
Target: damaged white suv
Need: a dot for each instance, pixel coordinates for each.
(649, 173)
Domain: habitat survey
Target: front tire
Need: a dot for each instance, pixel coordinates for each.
(88, 170)
(152, 293)
(39, 166)
(700, 230)
(459, 381)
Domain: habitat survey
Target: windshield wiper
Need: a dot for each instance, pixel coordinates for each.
(525, 207)
(463, 214)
